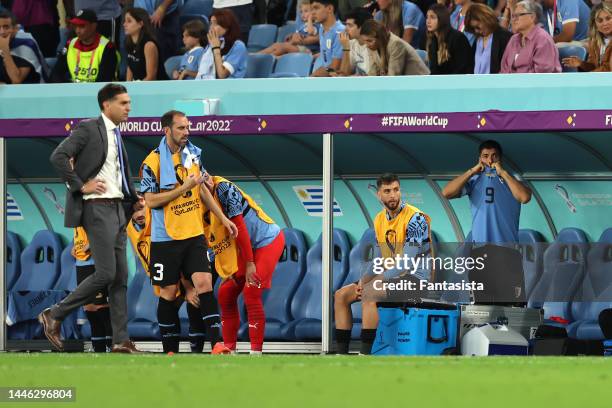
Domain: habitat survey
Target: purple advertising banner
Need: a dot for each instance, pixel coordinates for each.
(491, 121)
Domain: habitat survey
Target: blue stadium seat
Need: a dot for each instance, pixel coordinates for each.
(204, 7)
(564, 269)
(360, 258)
(261, 36)
(13, 259)
(142, 307)
(297, 63)
(67, 279)
(532, 251)
(571, 51)
(171, 64)
(595, 293)
(424, 56)
(259, 65)
(306, 303)
(51, 61)
(40, 262)
(185, 18)
(285, 31)
(284, 75)
(287, 276)
(134, 289)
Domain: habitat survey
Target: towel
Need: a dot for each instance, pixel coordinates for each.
(206, 69)
(190, 156)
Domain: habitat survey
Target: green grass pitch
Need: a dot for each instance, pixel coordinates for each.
(205, 381)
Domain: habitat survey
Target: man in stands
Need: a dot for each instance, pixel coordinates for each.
(246, 263)
(401, 229)
(20, 58)
(90, 57)
(170, 181)
(329, 28)
(495, 196)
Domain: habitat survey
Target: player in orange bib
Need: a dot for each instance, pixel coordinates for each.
(246, 263)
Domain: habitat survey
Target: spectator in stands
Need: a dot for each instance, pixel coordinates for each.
(20, 60)
(531, 49)
(306, 34)
(491, 39)
(403, 18)
(242, 10)
(495, 196)
(164, 16)
(108, 12)
(599, 45)
(247, 263)
(41, 19)
(400, 229)
(228, 54)
(458, 18)
(330, 55)
(90, 57)
(448, 50)
(195, 40)
(355, 54)
(390, 54)
(566, 20)
(345, 7)
(141, 46)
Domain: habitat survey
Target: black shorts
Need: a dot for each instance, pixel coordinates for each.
(82, 273)
(169, 259)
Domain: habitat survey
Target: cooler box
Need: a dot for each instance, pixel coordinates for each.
(414, 331)
(494, 339)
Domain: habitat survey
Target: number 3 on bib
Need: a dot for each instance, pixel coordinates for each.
(159, 272)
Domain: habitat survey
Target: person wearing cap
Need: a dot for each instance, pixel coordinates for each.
(108, 12)
(89, 57)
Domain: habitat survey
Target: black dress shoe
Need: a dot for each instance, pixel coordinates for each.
(52, 328)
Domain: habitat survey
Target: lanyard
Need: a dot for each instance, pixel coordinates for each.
(460, 24)
(78, 61)
(551, 20)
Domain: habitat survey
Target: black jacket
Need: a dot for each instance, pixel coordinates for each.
(501, 38)
(88, 145)
(461, 59)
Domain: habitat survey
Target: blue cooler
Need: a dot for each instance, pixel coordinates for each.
(414, 331)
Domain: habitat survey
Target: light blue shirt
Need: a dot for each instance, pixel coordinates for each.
(458, 23)
(151, 5)
(495, 211)
(150, 184)
(569, 11)
(191, 60)
(412, 17)
(329, 45)
(235, 61)
(482, 60)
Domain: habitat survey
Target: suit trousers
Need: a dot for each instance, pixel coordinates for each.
(104, 223)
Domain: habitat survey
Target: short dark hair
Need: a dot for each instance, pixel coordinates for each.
(491, 144)
(4, 13)
(108, 92)
(386, 178)
(332, 3)
(167, 118)
(359, 15)
(197, 29)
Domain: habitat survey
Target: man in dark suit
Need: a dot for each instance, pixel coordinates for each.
(93, 163)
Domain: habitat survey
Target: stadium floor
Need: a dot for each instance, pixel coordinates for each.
(157, 380)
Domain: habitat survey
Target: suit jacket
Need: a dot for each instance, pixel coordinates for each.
(501, 38)
(88, 145)
(403, 59)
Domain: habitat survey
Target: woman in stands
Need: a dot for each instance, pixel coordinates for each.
(531, 49)
(599, 44)
(228, 55)
(403, 18)
(390, 54)
(491, 39)
(142, 50)
(449, 50)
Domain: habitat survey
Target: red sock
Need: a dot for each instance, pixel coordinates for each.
(230, 317)
(256, 315)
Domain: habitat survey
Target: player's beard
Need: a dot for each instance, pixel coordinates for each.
(391, 205)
